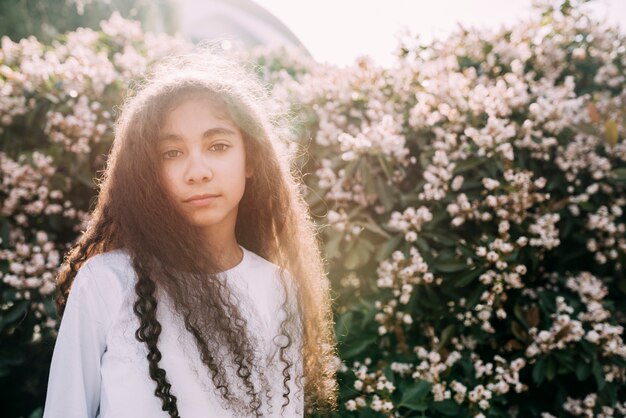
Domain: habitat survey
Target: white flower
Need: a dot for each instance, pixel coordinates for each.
(351, 405)
(490, 184)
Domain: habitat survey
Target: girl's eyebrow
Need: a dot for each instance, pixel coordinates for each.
(209, 133)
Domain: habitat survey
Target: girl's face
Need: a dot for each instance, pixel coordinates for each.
(203, 164)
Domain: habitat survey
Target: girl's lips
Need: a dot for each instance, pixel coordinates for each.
(201, 200)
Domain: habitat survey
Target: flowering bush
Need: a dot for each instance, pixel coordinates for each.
(473, 199)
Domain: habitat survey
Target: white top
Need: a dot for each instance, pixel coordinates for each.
(100, 370)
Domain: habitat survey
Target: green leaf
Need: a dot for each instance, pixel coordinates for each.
(447, 407)
(440, 238)
(387, 248)
(520, 315)
(353, 259)
(582, 370)
(619, 174)
(468, 277)
(539, 371)
(468, 164)
(355, 347)
(451, 266)
(384, 164)
(343, 325)
(15, 312)
(599, 376)
(37, 413)
(446, 335)
(5, 230)
(359, 255)
(370, 313)
(368, 180)
(415, 397)
(374, 228)
(422, 245)
(385, 193)
(389, 374)
(550, 369)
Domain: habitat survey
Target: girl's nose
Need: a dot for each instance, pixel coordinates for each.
(199, 168)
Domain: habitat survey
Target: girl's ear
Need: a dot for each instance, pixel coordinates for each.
(249, 171)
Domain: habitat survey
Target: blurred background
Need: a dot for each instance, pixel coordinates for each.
(331, 31)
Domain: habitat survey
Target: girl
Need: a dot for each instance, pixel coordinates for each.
(198, 288)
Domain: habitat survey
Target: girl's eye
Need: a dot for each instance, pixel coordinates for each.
(169, 154)
(220, 147)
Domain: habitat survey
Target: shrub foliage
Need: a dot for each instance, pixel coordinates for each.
(470, 199)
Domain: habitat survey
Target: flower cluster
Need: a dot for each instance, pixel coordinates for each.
(410, 222)
(521, 195)
(381, 138)
(27, 189)
(31, 267)
(564, 330)
(592, 292)
(375, 383)
(339, 187)
(580, 156)
(502, 377)
(592, 324)
(77, 128)
(589, 408)
(609, 234)
(400, 274)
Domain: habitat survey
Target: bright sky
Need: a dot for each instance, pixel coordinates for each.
(338, 31)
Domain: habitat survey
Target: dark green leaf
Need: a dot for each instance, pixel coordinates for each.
(467, 278)
(550, 369)
(447, 407)
(37, 413)
(415, 397)
(468, 164)
(446, 335)
(343, 325)
(599, 376)
(14, 313)
(355, 347)
(582, 370)
(387, 248)
(539, 371)
(450, 266)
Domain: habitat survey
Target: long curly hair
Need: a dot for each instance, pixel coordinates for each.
(134, 212)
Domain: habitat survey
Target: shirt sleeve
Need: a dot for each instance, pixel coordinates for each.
(74, 380)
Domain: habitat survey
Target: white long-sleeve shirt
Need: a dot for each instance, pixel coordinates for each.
(100, 370)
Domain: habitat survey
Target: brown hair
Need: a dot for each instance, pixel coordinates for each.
(133, 212)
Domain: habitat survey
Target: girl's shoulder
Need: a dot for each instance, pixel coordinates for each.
(261, 272)
(252, 260)
(110, 275)
(100, 287)
(256, 266)
(109, 266)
